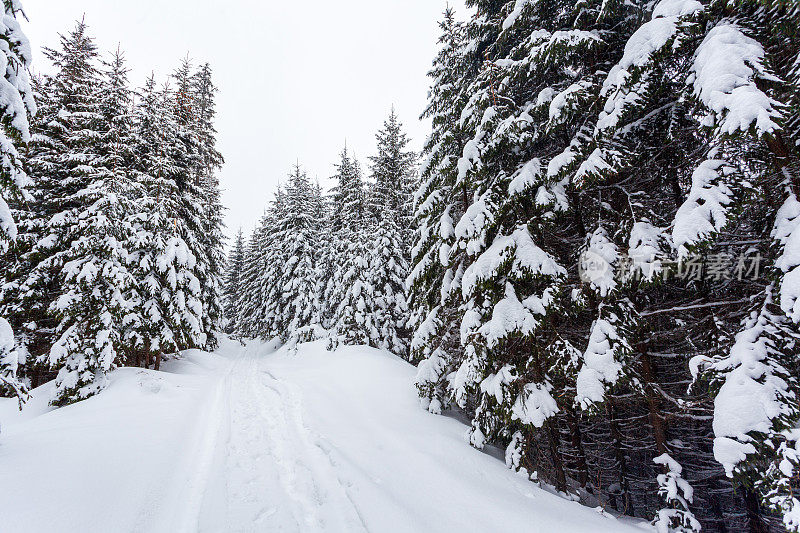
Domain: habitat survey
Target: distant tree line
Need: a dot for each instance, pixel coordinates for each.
(331, 265)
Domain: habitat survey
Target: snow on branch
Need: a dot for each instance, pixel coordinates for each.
(705, 211)
(724, 73)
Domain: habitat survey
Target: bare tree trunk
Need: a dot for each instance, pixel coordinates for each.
(626, 505)
(158, 360)
(555, 457)
(653, 404)
(755, 520)
(581, 468)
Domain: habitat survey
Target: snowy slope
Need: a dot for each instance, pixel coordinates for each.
(249, 439)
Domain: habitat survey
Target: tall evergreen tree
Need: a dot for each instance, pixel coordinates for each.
(393, 174)
(636, 141)
(387, 269)
(296, 315)
(345, 226)
(18, 105)
(234, 280)
(203, 94)
(250, 301)
(391, 208)
(439, 201)
(195, 163)
(167, 295)
(82, 244)
(25, 300)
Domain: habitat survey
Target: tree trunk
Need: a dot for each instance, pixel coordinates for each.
(755, 520)
(555, 457)
(626, 506)
(581, 468)
(653, 404)
(158, 360)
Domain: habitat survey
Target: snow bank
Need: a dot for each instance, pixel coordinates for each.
(120, 461)
(253, 439)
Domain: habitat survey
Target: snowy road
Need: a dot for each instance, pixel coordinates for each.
(253, 440)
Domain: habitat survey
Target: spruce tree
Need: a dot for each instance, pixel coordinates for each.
(250, 300)
(386, 271)
(82, 246)
(234, 281)
(393, 174)
(167, 295)
(18, 105)
(296, 314)
(25, 299)
(435, 264)
(704, 75)
(349, 291)
(355, 317)
(210, 161)
(390, 206)
(195, 161)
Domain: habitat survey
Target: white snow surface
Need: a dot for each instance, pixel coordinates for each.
(254, 439)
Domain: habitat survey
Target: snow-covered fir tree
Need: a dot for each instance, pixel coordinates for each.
(195, 164)
(348, 291)
(234, 272)
(81, 248)
(17, 105)
(603, 141)
(438, 202)
(167, 295)
(387, 269)
(393, 173)
(291, 273)
(390, 204)
(203, 107)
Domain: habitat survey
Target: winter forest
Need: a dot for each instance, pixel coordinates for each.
(586, 285)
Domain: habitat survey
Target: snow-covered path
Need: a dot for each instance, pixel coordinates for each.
(270, 471)
(255, 440)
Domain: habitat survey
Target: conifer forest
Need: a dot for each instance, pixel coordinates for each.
(574, 306)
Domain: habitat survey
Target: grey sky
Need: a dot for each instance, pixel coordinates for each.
(296, 78)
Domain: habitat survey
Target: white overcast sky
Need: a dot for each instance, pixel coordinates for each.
(296, 78)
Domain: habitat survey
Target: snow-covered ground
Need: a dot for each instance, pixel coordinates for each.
(253, 439)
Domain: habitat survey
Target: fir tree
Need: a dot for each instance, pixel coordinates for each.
(195, 162)
(18, 105)
(167, 295)
(291, 276)
(234, 280)
(393, 175)
(343, 258)
(84, 244)
(438, 202)
(386, 271)
(250, 301)
(210, 161)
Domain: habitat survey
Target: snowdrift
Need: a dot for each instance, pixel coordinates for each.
(252, 439)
